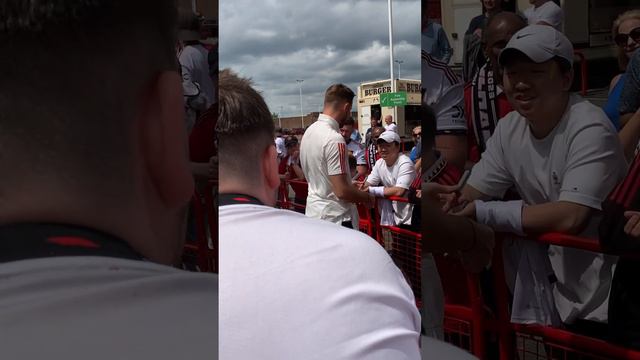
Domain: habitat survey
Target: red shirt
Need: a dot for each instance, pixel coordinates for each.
(504, 107)
(202, 145)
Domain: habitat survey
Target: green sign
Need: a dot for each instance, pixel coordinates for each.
(393, 99)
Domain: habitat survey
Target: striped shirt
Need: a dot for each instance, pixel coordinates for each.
(444, 92)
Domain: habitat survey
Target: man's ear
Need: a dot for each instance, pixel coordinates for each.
(270, 168)
(163, 137)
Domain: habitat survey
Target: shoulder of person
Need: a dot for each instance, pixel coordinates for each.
(584, 114)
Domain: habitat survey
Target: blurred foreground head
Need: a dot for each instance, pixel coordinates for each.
(92, 130)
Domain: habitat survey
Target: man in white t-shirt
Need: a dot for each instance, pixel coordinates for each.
(324, 158)
(389, 124)
(444, 93)
(95, 192)
(194, 57)
(391, 176)
(296, 287)
(354, 148)
(545, 12)
(563, 157)
(280, 144)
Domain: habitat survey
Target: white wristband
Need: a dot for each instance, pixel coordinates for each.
(502, 216)
(377, 191)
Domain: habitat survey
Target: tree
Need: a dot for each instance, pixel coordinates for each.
(275, 117)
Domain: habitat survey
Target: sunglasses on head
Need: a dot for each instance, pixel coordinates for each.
(623, 39)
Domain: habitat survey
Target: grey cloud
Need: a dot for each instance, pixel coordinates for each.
(276, 42)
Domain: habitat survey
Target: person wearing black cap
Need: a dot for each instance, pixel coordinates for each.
(563, 156)
(95, 185)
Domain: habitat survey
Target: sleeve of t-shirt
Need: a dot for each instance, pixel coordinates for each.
(490, 175)
(406, 174)
(374, 176)
(552, 15)
(595, 163)
(335, 151)
(359, 155)
(449, 110)
(630, 96)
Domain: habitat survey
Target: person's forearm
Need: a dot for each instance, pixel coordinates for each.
(558, 216)
(298, 172)
(394, 191)
(624, 119)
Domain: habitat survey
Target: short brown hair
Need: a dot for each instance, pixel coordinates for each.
(338, 93)
(244, 128)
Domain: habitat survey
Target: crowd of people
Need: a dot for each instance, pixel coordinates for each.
(543, 159)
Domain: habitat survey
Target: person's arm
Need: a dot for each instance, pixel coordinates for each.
(630, 96)
(345, 191)
(512, 216)
(453, 148)
(452, 234)
(298, 172)
(630, 135)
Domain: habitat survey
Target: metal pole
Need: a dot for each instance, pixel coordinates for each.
(393, 83)
(301, 112)
(280, 118)
(400, 62)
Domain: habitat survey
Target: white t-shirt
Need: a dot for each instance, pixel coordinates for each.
(400, 174)
(323, 153)
(580, 161)
(195, 67)
(103, 308)
(299, 288)
(444, 92)
(391, 127)
(280, 147)
(358, 152)
(548, 12)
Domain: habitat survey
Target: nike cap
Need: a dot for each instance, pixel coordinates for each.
(389, 136)
(539, 43)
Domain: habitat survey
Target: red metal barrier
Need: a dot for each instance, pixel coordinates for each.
(584, 72)
(205, 214)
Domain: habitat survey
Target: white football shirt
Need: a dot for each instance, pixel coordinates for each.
(195, 66)
(323, 153)
(293, 287)
(444, 92)
(104, 308)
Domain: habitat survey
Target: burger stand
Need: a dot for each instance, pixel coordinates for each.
(404, 105)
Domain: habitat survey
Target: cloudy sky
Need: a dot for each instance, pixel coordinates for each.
(275, 42)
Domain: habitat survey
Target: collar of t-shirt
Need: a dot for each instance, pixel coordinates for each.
(329, 120)
(238, 199)
(35, 240)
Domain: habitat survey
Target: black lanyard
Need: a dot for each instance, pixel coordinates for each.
(32, 241)
(236, 199)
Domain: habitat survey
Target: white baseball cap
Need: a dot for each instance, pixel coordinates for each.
(539, 43)
(389, 136)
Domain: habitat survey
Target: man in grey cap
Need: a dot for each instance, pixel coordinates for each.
(563, 157)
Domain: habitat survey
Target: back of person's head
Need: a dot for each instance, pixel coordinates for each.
(337, 101)
(430, 127)
(349, 122)
(81, 82)
(245, 131)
